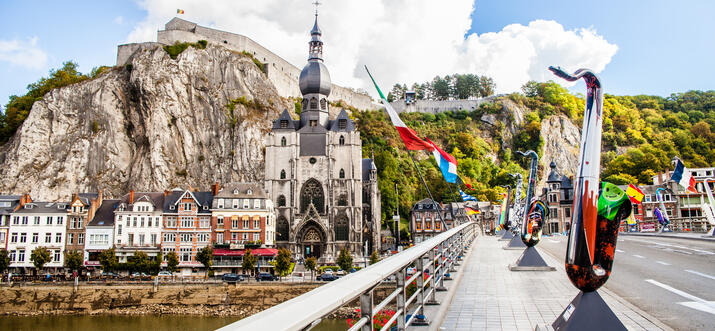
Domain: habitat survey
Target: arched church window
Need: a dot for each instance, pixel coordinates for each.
(283, 141)
(342, 173)
(282, 229)
(312, 192)
(341, 228)
(283, 174)
(313, 103)
(323, 104)
(342, 140)
(281, 201)
(343, 200)
(305, 104)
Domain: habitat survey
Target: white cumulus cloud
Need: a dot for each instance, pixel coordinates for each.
(401, 41)
(24, 53)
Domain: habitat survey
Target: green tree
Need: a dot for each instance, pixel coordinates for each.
(282, 262)
(205, 256)
(345, 260)
(249, 262)
(4, 260)
(172, 261)
(74, 260)
(310, 264)
(108, 260)
(374, 258)
(140, 262)
(39, 257)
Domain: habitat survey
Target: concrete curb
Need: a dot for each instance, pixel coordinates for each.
(635, 234)
(446, 301)
(625, 302)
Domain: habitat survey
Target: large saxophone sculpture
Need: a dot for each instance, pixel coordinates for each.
(504, 219)
(535, 212)
(517, 202)
(597, 209)
(661, 213)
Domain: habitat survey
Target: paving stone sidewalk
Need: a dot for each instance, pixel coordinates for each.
(490, 297)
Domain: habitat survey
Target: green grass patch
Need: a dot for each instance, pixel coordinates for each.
(176, 49)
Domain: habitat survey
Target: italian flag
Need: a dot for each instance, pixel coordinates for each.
(409, 136)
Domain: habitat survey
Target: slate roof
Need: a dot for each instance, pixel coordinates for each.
(156, 198)
(428, 202)
(367, 165)
(553, 175)
(203, 198)
(227, 191)
(40, 207)
(285, 115)
(105, 214)
(14, 201)
(349, 124)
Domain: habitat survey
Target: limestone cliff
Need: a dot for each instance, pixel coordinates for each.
(155, 124)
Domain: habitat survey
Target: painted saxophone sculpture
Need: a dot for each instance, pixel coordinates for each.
(661, 213)
(535, 211)
(598, 208)
(504, 221)
(517, 202)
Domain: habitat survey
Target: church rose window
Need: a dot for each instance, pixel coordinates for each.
(341, 228)
(282, 229)
(312, 192)
(281, 201)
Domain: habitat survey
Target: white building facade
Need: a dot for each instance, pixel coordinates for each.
(37, 224)
(138, 224)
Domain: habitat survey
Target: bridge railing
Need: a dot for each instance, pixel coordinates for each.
(432, 259)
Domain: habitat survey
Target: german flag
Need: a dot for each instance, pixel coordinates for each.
(179, 11)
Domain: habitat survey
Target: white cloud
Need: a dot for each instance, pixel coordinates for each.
(24, 53)
(119, 20)
(401, 41)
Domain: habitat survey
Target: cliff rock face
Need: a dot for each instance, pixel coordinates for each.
(156, 124)
(561, 144)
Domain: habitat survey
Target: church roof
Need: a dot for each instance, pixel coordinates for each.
(285, 116)
(315, 29)
(315, 78)
(566, 182)
(334, 125)
(367, 165)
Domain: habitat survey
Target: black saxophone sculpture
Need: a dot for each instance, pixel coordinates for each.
(535, 211)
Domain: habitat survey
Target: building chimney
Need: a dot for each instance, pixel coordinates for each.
(214, 188)
(166, 192)
(131, 197)
(100, 197)
(24, 199)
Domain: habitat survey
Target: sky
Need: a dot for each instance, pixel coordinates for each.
(637, 47)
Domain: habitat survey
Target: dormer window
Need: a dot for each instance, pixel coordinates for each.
(313, 123)
(172, 207)
(342, 124)
(323, 104)
(235, 191)
(284, 124)
(206, 207)
(249, 192)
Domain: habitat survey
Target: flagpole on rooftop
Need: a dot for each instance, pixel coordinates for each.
(439, 208)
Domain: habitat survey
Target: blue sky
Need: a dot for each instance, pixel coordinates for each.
(663, 46)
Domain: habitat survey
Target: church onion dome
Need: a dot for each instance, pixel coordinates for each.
(314, 78)
(553, 175)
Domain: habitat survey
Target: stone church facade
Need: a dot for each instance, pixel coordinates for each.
(325, 193)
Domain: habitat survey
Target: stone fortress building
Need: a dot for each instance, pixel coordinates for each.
(325, 193)
(280, 72)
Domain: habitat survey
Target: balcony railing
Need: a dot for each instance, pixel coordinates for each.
(432, 259)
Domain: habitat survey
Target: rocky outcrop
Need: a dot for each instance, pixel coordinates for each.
(157, 123)
(561, 145)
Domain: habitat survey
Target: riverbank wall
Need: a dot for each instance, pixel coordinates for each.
(190, 299)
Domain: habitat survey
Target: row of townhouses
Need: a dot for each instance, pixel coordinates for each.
(230, 218)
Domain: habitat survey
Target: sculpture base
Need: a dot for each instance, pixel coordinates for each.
(587, 312)
(507, 236)
(530, 260)
(515, 243)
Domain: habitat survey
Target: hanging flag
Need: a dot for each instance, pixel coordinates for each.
(682, 175)
(179, 11)
(446, 163)
(461, 181)
(466, 197)
(471, 211)
(409, 136)
(634, 194)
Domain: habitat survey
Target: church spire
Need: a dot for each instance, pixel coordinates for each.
(315, 52)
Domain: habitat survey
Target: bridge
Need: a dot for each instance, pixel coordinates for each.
(462, 282)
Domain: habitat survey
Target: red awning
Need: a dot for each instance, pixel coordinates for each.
(241, 252)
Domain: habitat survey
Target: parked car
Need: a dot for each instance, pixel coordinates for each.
(327, 277)
(139, 275)
(340, 272)
(164, 273)
(263, 276)
(110, 275)
(232, 278)
(328, 271)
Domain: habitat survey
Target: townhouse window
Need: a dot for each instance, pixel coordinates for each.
(134, 222)
(49, 220)
(428, 225)
(203, 237)
(219, 221)
(234, 203)
(2, 237)
(156, 221)
(70, 238)
(57, 256)
(256, 237)
(256, 203)
(119, 229)
(205, 223)
(141, 240)
(169, 237)
(148, 222)
(21, 255)
(36, 221)
(219, 238)
(187, 206)
(219, 203)
(24, 220)
(185, 254)
(12, 256)
(245, 203)
(165, 253)
(567, 212)
(187, 222)
(141, 222)
(13, 237)
(234, 237)
(23, 237)
(48, 237)
(128, 222)
(130, 241)
(16, 220)
(245, 236)
(234, 224)
(245, 224)
(186, 237)
(256, 224)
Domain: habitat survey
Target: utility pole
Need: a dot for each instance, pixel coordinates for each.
(396, 220)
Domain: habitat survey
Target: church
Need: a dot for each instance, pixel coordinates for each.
(325, 194)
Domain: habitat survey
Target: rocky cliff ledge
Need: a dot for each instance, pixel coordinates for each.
(154, 124)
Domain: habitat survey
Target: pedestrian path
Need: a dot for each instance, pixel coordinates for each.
(490, 297)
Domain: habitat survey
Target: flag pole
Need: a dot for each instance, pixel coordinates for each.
(439, 208)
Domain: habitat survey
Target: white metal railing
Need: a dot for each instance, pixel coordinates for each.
(433, 258)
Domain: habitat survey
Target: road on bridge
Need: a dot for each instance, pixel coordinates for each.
(672, 279)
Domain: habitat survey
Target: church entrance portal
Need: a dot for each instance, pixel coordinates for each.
(312, 240)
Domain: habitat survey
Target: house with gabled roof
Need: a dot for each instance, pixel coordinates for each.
(186, 226)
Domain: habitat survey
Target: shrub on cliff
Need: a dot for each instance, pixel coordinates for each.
(176, 49)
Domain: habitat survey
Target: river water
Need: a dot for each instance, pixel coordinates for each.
(131, 323)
